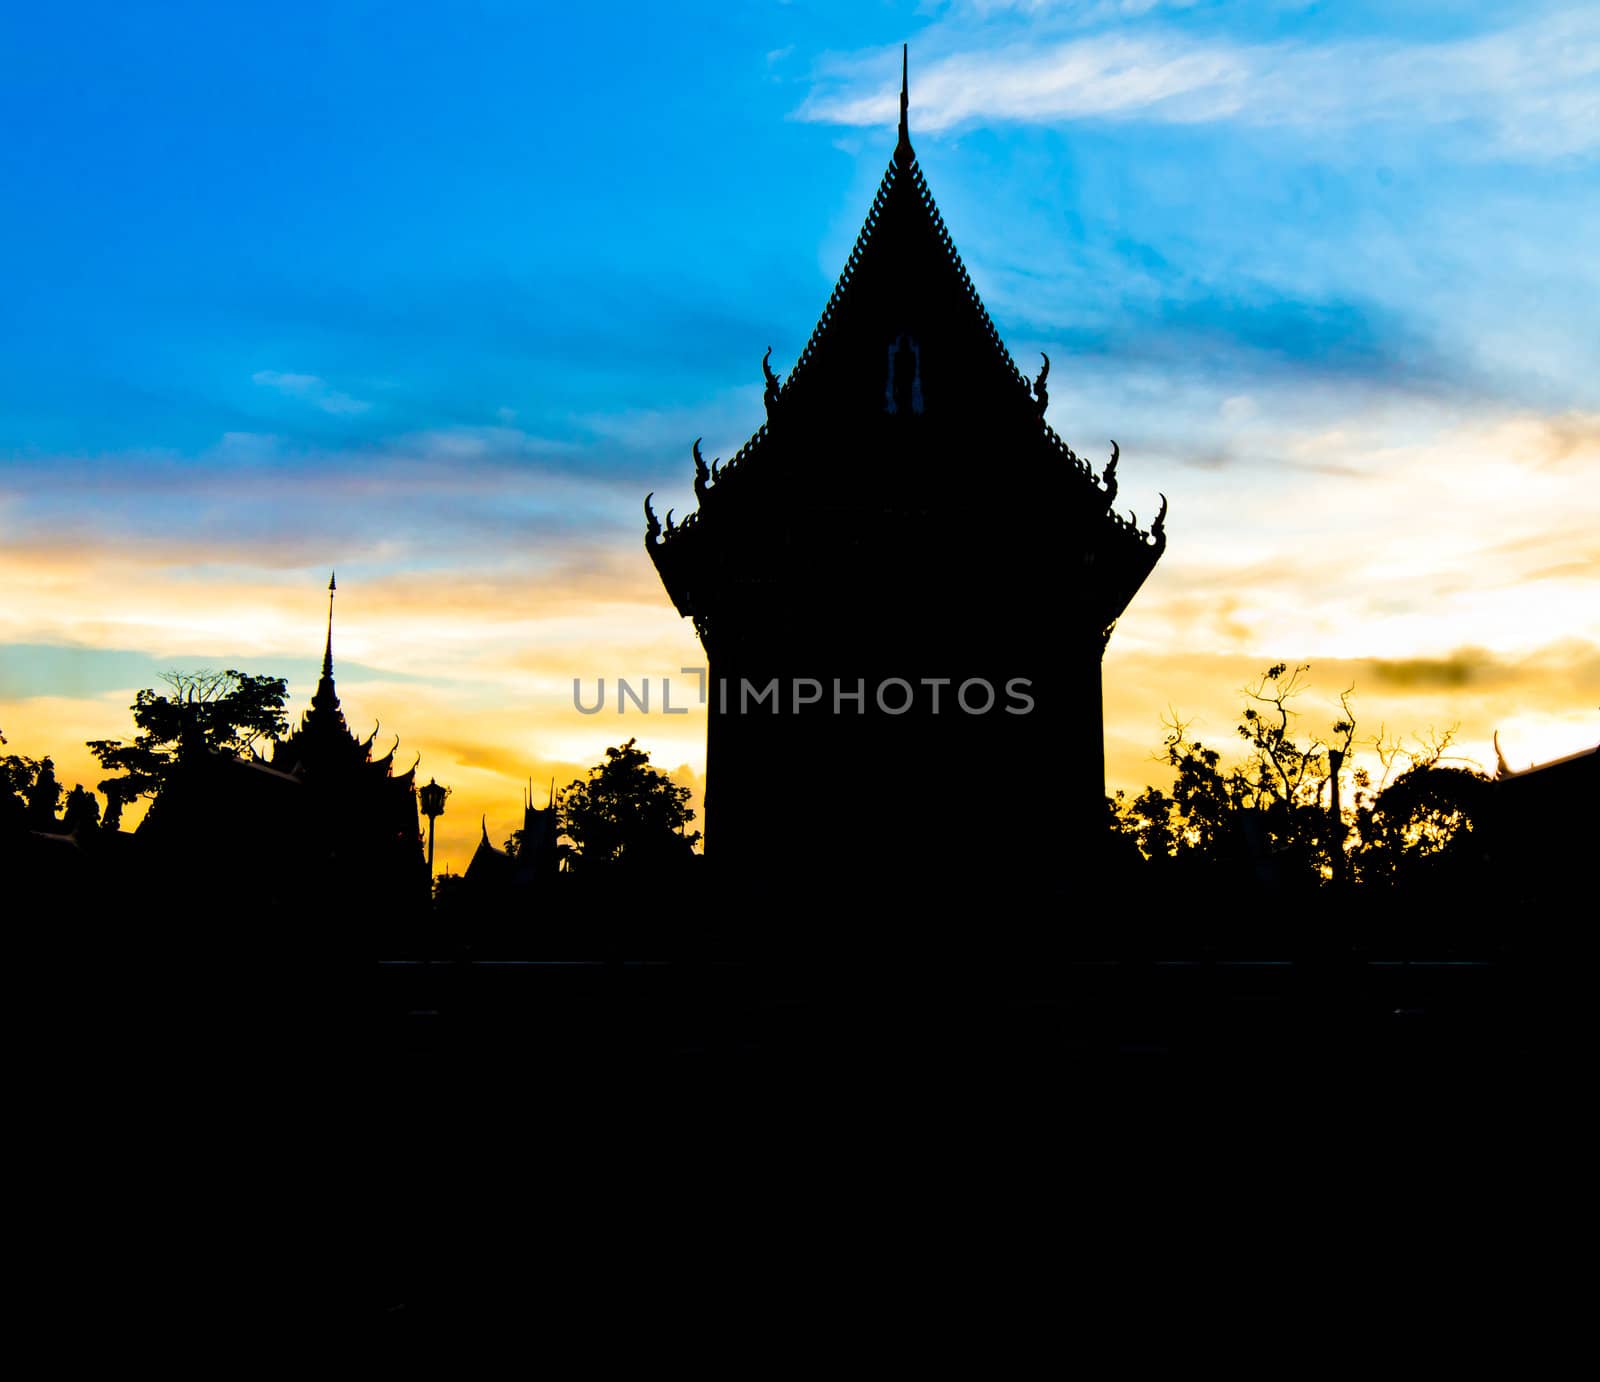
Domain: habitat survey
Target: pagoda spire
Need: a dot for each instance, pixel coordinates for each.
(902, 150)
(323, 742)
(327, 652)
(327, 698)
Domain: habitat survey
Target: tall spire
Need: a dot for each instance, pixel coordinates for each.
(902, 150)
(327, 652)
(327, 699)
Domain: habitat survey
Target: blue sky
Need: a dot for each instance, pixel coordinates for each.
(434, 294)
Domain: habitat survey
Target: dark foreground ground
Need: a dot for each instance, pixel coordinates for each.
(570, 1113)
(704, 1021)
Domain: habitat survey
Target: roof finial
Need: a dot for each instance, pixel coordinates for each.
(327, 652)
(904, 146)
(325, 703)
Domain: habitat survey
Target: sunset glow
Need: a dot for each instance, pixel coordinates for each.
(436, 302)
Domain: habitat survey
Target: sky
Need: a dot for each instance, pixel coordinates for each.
(434, 295)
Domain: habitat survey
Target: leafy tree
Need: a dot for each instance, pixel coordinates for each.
(1274, 810)
(30, 797)
(17, 776)
(626, 815)
(29, 792)
(1193, 820)
(1267, 810)
(1426, 827)
(82, 811)
(449, 891)
(227, 711)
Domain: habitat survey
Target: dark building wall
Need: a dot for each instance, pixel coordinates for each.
(904, 513)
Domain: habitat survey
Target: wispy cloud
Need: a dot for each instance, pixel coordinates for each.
(1528, 91)
(442, 494)
(1397, 548)
(308, 387)
(1161, 79)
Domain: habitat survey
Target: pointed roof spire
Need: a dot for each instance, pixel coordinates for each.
(327, 652)
(902, 150)
(326, 698)
(905, 251)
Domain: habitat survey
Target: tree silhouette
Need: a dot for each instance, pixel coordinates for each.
(227, 711)
(30, 797)
(1274, 810)
(17, 776)
(1426, 828)
(626, 815)
(29, 792)
(1268, 811)
(82, 810)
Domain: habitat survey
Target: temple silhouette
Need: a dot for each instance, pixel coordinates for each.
(360, 821)
(494, 875)
(348, 840)
(325, 832)
(905, 571)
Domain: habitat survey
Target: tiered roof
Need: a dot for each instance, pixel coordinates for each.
(324, 743)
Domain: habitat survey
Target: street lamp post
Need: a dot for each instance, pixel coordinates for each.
(432, 798)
